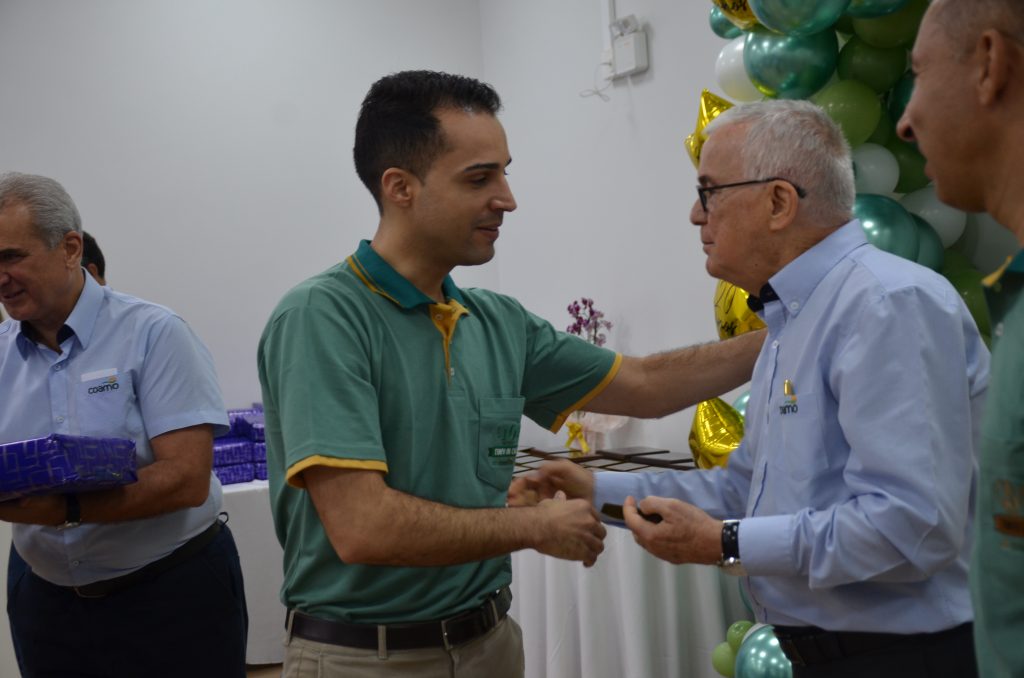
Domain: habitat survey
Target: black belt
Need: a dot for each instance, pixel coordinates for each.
(446, 633)
(810, 645)
(193, 546)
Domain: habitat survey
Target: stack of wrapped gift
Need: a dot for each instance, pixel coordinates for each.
(241, 455)
(61, 464)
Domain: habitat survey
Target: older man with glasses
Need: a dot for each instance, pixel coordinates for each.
(847, 508)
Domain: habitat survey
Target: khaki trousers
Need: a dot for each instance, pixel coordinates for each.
(496, 654)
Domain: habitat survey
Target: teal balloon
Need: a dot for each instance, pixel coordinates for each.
(740, 404)
(761, 657)
(798, 17)
(892, 30)
(789, 66)
(930, 252)
(736, 632)
(887, 224)
(877, 68)
(900, 95)
(912, 176)
(854, 106)
(869, 9)
(721, 26)
(967, 281)
(723, 660)
(885, 131)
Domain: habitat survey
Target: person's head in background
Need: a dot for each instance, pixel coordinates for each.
(92, 258)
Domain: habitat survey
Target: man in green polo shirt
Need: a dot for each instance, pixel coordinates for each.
(967, 116)
(393, 403)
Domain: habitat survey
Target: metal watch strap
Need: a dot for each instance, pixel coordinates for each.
(73, 512)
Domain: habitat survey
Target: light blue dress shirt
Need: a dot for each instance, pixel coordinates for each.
(165, 380)
(857, 491)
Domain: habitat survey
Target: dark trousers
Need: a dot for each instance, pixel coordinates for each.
(190, 620)
(946, 654)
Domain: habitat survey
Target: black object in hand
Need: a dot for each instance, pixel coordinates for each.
(615, 511)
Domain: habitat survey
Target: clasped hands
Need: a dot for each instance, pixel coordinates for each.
(686, 534)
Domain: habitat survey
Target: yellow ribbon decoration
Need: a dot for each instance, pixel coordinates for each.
(576, 433)
(711, 106)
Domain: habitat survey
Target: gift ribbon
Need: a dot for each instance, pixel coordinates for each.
(576, 433)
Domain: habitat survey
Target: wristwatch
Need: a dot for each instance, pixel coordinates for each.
(73, 516)
(730, 560)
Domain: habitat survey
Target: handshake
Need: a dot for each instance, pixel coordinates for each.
(570, 526)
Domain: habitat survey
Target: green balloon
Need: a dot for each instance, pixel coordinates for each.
(874, 8)
(912, 176)
(877, 68)
(884, 130)
(930, 251)
(723, 659)
(761, 657)
(845, 25)
(789, 66)
(887, 225)
(954, 260)
(854, 106)
(892, 30)
(737, 630)
(798, 17)
(740, 404)
(900, 95)
(967, 281)
(721, 26)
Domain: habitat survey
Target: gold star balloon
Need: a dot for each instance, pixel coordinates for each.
(738, 12)
(717, 430)
(711, 106)
(732, 315)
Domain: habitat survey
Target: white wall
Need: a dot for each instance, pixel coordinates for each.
(207, 144)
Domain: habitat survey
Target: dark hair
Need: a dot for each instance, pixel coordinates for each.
(397, 126)
(91, 254)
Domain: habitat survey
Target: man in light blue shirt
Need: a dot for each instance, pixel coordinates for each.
(138, 580)
(854, 484)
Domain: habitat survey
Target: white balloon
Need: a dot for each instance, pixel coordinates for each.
(876, 169)
(986, 243)
(732, 74)
(947, 221)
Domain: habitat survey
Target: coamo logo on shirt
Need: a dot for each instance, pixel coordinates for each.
(109, 383)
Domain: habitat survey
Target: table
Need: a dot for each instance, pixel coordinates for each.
(631, 615)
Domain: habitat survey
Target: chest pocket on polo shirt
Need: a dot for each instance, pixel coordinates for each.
(798, 440)
(103, 399)
(500, 419)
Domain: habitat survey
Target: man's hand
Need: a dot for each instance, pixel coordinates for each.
(552, 477)
(570, 529)
(685, 535)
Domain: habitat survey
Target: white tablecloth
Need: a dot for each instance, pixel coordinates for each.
(630, 616)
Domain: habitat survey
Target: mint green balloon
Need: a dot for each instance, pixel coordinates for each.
(798, 17)
(912, 176)
(877, 68)
(721, 26)
(740, 404)
(789, 66)
(854, 106)
(900, 95)
(930, 251)
(885, 131)
(874, 8)
(892, 30)
(887, 224)
(761, 657)
(723, 660)
(736, 632)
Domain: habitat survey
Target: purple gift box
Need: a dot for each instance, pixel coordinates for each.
(228, 451)
(59, 464)
(236, 473)
(261, 470)
(259, 452)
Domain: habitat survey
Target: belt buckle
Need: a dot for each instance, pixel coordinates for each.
(444, 635)
(79, 592)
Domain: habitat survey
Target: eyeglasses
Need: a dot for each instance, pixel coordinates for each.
(704, 191)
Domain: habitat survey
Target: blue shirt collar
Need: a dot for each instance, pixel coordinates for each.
(380, 277)
(81, 321)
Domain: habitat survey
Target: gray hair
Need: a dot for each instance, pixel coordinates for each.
(963, 21)
(51, 209)
(797, 141)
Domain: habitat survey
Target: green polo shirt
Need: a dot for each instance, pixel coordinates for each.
(360, 369)
(997, 567)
